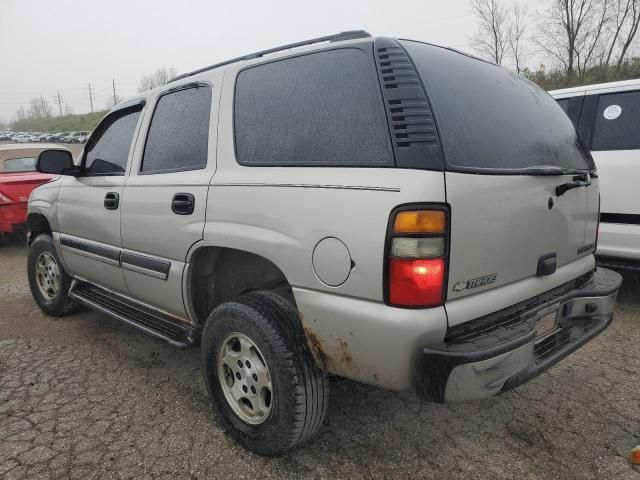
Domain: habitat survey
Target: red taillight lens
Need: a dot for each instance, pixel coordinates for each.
(416, 282)
(416, 262)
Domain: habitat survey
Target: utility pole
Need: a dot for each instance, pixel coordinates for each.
(91, 97)
(58, 100)
(115, 97)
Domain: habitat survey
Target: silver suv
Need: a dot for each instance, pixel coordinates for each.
(389, 211)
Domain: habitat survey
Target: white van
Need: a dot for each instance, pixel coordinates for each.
(608, 119)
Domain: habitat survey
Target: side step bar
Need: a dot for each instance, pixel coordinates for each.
(149, 321)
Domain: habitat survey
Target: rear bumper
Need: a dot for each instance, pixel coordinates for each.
(493, 354)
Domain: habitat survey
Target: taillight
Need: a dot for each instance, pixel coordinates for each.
(4, 200)
(416, 262)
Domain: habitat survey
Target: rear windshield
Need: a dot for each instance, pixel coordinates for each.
(24, 164)
(492, 119)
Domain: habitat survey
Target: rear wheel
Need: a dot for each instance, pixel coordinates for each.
(48, 281)
(266, 389)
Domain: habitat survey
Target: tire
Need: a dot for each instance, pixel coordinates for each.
(5, 239)
(300, 390)
(58, 304)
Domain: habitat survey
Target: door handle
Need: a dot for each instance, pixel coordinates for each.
(111, 201)
(183, 204)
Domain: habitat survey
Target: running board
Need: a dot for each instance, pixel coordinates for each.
(149, 321)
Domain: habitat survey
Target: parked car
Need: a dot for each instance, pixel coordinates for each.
(83, 137)
(607, 116)
(53, 137)
(312, 215)
(74, 137)
(57, 137)
(18, 177)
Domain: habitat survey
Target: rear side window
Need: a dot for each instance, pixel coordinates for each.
(178, 136)
(572, 107)
(108, 151)
(492, 119)
(564, 104)
(617, 123)
(319, 109)
(25, 164)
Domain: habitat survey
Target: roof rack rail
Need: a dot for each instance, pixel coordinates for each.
(338, 37)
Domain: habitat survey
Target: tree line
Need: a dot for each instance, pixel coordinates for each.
(581, 41)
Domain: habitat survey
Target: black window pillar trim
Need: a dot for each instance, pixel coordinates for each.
(409, 152)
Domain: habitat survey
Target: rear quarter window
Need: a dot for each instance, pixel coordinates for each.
(318, 109)
(617, 122)
(572, 106)
(492, 119)
(23, 164)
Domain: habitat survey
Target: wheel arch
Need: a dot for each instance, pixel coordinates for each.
(37, 224)
(217, 274)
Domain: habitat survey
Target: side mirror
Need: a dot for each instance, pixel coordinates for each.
(56, 162)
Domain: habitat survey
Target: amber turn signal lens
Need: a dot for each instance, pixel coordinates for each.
(635, 455)
(420, 221)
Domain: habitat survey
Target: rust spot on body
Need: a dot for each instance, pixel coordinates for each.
(316, 348)
(338, 361)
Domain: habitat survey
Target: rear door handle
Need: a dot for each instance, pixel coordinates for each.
(183, 204)
(111, 201)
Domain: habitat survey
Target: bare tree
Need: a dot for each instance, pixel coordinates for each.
(39, 108)
(20, 114)
(491, 38)
(593, 46)
(516, 30)
(623, 29)
(571, 33)
(160, 77)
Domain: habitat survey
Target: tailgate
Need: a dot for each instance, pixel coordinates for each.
(505, 228)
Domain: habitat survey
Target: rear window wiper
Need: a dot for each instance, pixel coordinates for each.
(581, 180)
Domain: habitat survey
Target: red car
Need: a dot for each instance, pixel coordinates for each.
(18, 177)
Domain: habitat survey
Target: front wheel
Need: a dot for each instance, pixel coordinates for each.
(266, 389)
(48, 281)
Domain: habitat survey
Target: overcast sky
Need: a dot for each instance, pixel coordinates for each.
(51, 46)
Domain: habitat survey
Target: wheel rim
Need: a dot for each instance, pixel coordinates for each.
(245, 379)
(47, 275)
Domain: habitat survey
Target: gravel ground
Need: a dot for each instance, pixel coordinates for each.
(87, 397)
